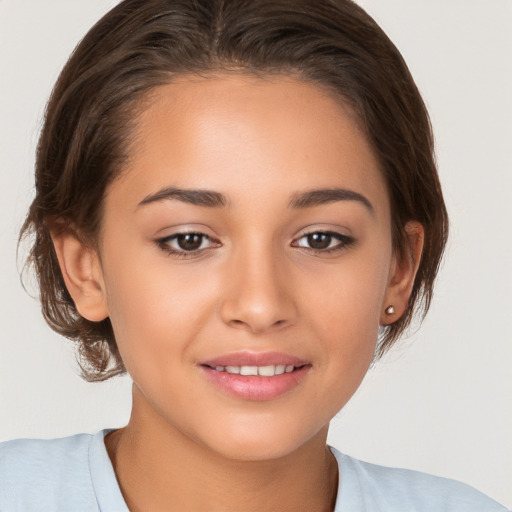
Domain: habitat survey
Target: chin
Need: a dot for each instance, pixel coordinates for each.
(266, 442)
(252, 450)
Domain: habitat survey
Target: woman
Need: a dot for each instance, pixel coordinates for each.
(233, 200)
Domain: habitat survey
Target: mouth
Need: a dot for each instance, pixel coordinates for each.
(250, 376)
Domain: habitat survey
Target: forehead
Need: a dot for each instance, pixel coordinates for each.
(244, 136)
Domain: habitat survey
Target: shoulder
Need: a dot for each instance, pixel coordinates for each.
(386, 489)
(53, 474)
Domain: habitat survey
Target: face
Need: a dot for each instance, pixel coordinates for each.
(250, 233)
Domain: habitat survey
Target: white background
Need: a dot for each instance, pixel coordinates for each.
(441, 402)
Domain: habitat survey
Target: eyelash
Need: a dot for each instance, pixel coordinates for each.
(163, 243)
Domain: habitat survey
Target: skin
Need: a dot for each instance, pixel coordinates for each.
(256, 285)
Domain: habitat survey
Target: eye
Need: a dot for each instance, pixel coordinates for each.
(186, 244)
(324, 241)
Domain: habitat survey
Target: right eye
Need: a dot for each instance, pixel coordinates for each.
(183, 245)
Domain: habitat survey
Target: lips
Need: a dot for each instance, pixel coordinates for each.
(255, 376)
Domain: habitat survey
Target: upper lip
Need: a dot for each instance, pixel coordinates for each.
(246, 358)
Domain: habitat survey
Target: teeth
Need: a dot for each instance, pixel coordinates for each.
(248, 370)
(262, 371)
(267, 371)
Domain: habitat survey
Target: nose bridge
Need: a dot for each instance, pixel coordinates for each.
(256, 295)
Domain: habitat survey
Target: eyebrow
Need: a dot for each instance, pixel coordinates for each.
(206, 198)
(322, 196)
(212, 199)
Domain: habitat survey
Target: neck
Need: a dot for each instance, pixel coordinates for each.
(159, 468)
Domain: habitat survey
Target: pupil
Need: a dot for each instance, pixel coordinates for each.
(190, 241)
(319, 240)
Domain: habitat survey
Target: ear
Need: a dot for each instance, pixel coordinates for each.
(81, 270)
(402, 274)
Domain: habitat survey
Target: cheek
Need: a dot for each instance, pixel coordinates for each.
(347, 300)
(344, 309)
(155, 312)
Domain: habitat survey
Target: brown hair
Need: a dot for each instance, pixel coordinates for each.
(141, 44)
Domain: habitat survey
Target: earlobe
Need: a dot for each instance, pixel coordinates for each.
(402, 275)
(82, 274)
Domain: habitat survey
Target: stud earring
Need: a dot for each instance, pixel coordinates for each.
(390, 310)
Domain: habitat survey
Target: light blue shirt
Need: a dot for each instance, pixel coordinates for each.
(74, 474)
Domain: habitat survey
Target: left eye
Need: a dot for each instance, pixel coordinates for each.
(322, 241)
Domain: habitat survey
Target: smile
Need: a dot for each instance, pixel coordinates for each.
(262, 371)
(255, 376)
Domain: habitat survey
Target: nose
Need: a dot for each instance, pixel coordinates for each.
(257, 296)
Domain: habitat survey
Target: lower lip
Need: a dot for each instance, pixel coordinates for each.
(255, 387)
